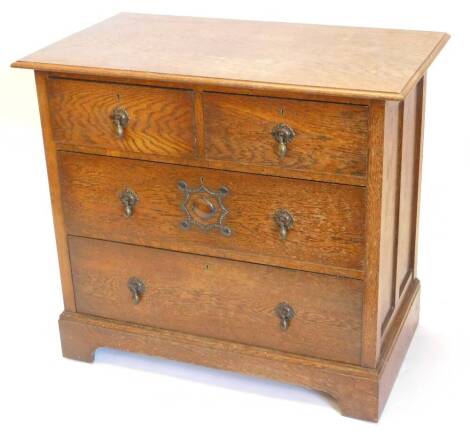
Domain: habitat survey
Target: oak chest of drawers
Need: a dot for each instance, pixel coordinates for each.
(240, 195)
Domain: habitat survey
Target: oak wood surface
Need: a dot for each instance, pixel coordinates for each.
(354, 389)
(380, 63)
(389, 212)
(254, 89)
(220, 298)
(397, 341)
(408, 191)
(161, 121)
(407, 200)
(161, 129)
(327, 236)
(421, 103)
(50, 151)
(395, 191)
(370, 334)
(359, 392)
(329, 138)
(94, 133)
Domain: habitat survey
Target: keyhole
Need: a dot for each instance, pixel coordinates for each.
(282, 111)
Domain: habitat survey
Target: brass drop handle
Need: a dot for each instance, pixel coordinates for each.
(286, 314)
(129, 200)
(137, 288)
(285, 221)
(203, 208)
(120, 119)
(283, 134)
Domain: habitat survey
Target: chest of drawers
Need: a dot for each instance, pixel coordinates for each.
(240, 195)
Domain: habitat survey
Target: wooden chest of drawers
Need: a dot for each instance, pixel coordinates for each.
(225, 197)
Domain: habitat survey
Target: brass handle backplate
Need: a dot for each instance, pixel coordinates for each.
(137, 288)
(283, 134)
(286, 314)
(285, 221)
(120, 119)
(129, 200)
(204, 208)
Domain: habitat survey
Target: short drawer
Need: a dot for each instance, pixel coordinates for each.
(219, 298)
(287, 137)
(122, 118)
(215, 212)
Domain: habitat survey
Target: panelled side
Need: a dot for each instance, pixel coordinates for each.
(370, 327)
(400, 209)
(409, 181)
(383, 193)
(389, 213)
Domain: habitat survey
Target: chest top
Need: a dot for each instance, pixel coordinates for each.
(345, 61)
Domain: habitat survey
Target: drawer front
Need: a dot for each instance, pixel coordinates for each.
(322, 139)
(327, 234)
(90, 115)
(219, 298)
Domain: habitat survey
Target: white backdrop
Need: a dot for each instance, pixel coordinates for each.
(123, 393)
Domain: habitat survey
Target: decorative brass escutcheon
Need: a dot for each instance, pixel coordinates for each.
(204, 208)
(283, 134)
(285, 221)
(129, 200)
(120, 119)
(286, 314)
(137, 288)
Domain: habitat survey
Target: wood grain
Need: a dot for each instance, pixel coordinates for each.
(408, 192)
(330, 138)
(419, 161)
(254, 89)
(161, 121)
(220, 298)
(389, 213)
(359, 392)
(391, 254)
(328, 229)
(378, 63)
(354, 389)
(55, 192)
(371, 329)
(397, 341)
(152, 131)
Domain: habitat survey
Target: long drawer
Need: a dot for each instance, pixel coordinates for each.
(307, 225)
(293, 311)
